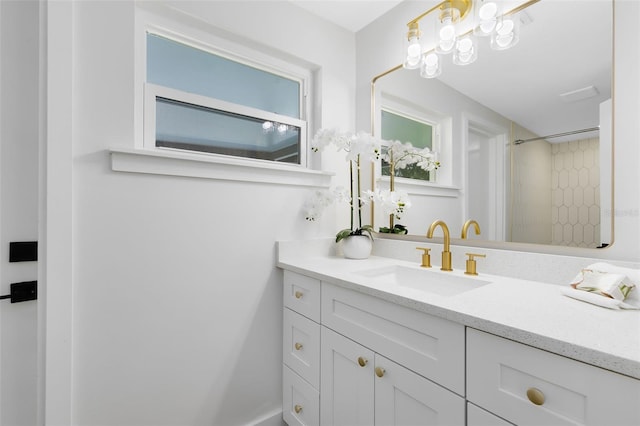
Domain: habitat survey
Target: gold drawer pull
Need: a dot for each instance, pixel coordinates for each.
(299, 294)
(362, 361)
(298, 346)
(297, 409)
(379, 371)
(535, 395)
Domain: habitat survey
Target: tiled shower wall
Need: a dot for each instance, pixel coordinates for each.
(575, 193)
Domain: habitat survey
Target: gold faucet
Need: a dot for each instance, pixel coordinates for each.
(466, 226)
(446, 254)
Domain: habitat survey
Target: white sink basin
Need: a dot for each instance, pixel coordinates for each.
(423, 279)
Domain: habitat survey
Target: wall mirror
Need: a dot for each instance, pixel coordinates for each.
(524, 135)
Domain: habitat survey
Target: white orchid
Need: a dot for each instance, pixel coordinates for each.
(403, 154)
(359, 147)
(391, 202)
(321, 199)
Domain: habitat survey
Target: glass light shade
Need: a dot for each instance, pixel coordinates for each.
(412, 48)
(507, 33)
(466, 51)
(430, 66)
(446, 31)
(485, 14)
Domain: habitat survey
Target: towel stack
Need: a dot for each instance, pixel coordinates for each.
(606, 285)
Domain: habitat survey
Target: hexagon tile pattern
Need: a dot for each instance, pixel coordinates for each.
(575, 193)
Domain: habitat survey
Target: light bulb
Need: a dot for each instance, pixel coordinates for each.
(430, 67)
(506, 34)
(414, 47)
(282, 128)
(486, 14)
(505, 27)
(488, 11)
(466, 51)
(446, 31)
(267, 125)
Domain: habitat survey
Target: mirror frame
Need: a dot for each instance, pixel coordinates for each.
(508, 245)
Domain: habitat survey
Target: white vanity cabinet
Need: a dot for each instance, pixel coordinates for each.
(529, 386)
(375, 362)
(351, 358)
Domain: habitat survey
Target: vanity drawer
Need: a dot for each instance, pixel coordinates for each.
(430, 346)
(302, 294)
(505, 377)
(301, 346)
(300, 401)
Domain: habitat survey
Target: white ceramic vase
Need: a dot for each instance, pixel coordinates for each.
(357, 246)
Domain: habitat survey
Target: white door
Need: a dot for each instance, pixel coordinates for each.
(19, 144)
(346, 381)
(485, 194)
(403, 397)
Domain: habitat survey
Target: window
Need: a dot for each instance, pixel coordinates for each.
(403, 128)
(198, 100)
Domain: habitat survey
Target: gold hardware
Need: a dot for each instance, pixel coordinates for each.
(298, 346)
(466, 226)
(535, 395)
(297, 409)
(379, 371)
(362, 361)
(299, 294)
(471, 263)
(446, 254)
(426, 257)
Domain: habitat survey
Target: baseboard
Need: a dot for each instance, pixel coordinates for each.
(273, 418)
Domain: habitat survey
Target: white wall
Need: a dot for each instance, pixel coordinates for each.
(379, 47)
(176, 298)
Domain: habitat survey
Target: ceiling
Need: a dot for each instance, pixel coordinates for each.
(565, 46)
(350, 14)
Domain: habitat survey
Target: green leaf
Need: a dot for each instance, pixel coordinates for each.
(343, 234)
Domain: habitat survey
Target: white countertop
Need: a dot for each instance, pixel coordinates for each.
(529, 312)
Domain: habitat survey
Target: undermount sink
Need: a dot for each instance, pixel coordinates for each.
(427, 280)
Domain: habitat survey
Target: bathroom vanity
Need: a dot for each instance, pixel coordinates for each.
(384, 341)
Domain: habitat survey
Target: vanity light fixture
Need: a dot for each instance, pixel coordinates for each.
(457, 25)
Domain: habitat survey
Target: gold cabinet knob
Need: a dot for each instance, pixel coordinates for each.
(299, 294)
(297, 408)
(535, 396)
(298, 346)
(379, 371)
(362, 361)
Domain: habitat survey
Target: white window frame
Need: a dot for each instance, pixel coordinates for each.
(412, 186)
(141, 158)
(153, 91)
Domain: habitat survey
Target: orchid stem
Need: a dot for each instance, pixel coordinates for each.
(351, 190)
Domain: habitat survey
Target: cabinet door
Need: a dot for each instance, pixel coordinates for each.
(403, 397)
(346, 381)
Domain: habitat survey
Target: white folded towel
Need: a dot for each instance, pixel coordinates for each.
(606, 285)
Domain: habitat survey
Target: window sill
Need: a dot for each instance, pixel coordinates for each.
(417, 187)
(173, 163)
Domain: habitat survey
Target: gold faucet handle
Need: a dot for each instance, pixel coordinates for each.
(426, 257)
(471, 263)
